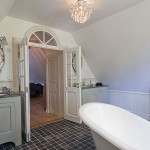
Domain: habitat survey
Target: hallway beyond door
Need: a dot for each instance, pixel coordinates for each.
(38, 114)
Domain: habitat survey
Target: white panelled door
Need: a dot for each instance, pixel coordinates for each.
(52, 84)
(72, 88)
(24, 88)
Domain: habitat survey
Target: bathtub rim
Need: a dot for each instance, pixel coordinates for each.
(112, 139)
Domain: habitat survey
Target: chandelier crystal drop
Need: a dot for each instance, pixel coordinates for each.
(81, 11)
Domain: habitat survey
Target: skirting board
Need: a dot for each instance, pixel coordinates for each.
(137, 103)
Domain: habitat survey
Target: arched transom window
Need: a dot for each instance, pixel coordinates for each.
(43, 37)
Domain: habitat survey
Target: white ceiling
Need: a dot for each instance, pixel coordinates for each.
(5, 6)
(55, 13)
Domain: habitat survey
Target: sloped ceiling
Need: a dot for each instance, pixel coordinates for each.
(115, 41)
(55, 13)
(37, 64)
(5, 6)
(117, 49)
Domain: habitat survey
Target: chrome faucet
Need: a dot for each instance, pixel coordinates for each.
(90, 83)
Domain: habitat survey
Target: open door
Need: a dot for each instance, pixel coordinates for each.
(24, 88)
(52, 84)
(72, 86)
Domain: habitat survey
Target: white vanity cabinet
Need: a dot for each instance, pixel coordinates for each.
(96, 94)
(10, 120)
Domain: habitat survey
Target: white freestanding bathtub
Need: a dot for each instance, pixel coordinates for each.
(114, 128)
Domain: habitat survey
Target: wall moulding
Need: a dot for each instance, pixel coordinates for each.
(137, 103)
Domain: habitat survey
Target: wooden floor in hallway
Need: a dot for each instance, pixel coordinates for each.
(38, 115)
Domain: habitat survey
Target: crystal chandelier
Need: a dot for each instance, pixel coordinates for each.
(81, 11)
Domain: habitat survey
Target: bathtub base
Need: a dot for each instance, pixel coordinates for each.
(101, 143)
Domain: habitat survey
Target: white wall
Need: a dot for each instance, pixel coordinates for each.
(117, 49)
(86, 72)
(12, 27)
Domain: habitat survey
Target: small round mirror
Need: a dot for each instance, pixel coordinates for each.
(74, 62)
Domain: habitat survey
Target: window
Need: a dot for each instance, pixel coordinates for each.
(42, 37)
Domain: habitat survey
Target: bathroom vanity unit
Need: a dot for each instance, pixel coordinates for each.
(95, 94)
(10, 119)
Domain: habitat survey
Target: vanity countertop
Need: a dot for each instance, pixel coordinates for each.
(90, 87)
(3, 95)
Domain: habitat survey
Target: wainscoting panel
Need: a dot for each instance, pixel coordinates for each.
(137, 103)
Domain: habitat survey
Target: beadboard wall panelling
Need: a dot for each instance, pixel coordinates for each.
(137, 103)
(141, 105)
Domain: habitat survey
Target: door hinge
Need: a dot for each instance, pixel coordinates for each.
(27, 89)
(18, 51)
(18, 54)
(28, 137)
(18, 47)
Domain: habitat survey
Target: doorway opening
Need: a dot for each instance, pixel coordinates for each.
(40, 71)
(43, 38)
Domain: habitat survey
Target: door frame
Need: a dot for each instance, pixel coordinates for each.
(24, 88)
(60, 80)
(59, 48)
(27, 135)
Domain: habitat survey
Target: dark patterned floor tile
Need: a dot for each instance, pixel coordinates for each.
(62, 135)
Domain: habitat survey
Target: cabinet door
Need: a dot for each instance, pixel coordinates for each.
(94, 95)
(89, 97)
(101, 97)
(7, 122)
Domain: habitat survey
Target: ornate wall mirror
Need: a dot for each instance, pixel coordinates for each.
(3, 42)
(2, 58)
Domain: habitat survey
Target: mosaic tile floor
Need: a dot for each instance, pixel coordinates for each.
(62, 135)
